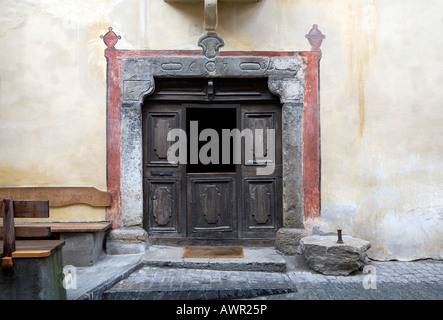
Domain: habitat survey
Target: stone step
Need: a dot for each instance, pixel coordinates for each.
(265, 259)
(167, 275)
(161, 283)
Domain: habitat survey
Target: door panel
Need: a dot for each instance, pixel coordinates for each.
(261, 206)
(163, 205)
(259, 123)
(212, 211)
(159, 124)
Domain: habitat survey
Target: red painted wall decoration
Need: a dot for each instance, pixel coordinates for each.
(311, 137)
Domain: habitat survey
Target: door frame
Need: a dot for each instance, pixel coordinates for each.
(293, 76)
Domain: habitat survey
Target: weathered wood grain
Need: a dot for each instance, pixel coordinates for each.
(59, 196)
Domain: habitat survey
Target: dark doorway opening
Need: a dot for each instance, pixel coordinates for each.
(215, 119)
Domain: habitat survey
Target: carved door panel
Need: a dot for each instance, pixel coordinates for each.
(212, 206)
(162, 178)
(262, 171)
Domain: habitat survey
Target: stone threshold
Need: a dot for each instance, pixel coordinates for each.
(264, 259)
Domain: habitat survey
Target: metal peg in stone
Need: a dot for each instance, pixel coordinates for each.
(340, 240)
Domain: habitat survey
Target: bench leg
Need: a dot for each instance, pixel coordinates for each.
(82, 249)
(34, 279)
(6, 262)
(8, 232)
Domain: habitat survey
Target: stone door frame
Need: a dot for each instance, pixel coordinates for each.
(293, 76)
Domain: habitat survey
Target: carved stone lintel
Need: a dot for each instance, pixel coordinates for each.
(134, 90)
(210, 43)
(289, 90)
(285, 74)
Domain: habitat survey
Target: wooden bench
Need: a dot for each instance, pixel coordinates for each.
(31, 269)
(83, 240)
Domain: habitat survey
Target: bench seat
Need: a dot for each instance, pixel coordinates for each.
(83, 240)
(78, 227)
(34, 248)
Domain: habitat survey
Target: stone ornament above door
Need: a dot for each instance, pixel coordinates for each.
(210, 43)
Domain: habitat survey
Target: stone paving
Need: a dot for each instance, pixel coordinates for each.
(153, 283)
(419, 280)
(136, 277)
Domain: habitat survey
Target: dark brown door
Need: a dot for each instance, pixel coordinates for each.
(217, 193)
(262, 171)
(163, 190)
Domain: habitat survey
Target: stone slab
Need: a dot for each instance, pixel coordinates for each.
(323, 253)
(106, 272)
(126, 241)
(123, 248)
(255, 259)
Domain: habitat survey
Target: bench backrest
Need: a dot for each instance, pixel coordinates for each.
(10, 209)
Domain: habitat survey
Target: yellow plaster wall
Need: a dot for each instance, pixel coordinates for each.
(381, 119)
(52, 100)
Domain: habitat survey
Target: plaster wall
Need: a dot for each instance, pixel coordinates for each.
(380, 98)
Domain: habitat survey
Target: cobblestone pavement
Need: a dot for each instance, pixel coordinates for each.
(419, 280)
(197, 284)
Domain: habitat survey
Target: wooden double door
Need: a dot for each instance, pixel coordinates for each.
(204, 181)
